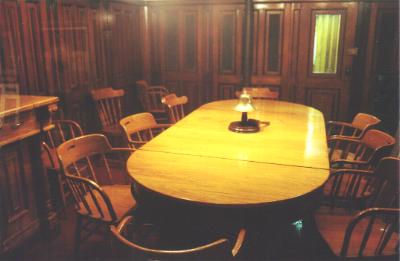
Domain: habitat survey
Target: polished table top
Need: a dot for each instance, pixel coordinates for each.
(200, 160)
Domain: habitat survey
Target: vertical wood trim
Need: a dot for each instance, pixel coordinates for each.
(294, 51)
(145, 42)
(367, 79)
(248, 42)
(287, 38)
(47, 50)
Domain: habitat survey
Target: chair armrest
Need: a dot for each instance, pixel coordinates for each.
(48, 153)
(137, 142)
(131, 150)
(73, 123)
(117, 231)
(342, 162)
(90, 185)
(122, 224)
(158, 88)
(337, 172)
(340, 123)
(345, 150)
(124, 152)
(239, 242)
(343, 139)
(343, 129)
(163, 125)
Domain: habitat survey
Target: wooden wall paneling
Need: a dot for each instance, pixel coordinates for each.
(227, 41)
(181, 52)
(51, 31)
(74, 45)
(144, 71)
(73, 33)
(294, 51)
(67, 25)
(206, 62)
(13, 69)
(34, 47)
(307, 81)
(155, 55)
(380, 91)
(96, 20)
(124, 43)
(3, 38)
(120, 35)
(271, 48)
(81, 39)
(325, 99)
(135, 64)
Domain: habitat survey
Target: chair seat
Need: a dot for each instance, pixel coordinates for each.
(333, 224)
(121, 200)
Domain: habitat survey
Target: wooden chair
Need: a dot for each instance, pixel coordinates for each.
(147, 245)
(360, 154)
(175, 106)
(356, 129)
(63, 130)
(259, 93)
(95, 204)
(373, 232)
(150, 97)
(353, 188)
(109, 107)
(141, 128)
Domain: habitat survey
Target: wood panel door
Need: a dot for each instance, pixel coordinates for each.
(19, 215)
(227, 43)
(325, 52)
(181, 41)
(271, 43)
(381, 80)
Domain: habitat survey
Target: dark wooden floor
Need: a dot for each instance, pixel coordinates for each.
(294, 243)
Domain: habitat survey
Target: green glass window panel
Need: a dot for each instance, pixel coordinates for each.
(326, 43)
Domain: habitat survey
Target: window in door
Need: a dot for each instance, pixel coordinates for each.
(326, 43)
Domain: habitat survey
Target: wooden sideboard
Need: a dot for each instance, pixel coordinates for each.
(25, 206)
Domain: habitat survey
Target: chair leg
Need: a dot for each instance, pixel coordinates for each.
(78, 230)
(63, 196)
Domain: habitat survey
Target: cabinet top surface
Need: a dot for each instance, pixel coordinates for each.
(11, 104)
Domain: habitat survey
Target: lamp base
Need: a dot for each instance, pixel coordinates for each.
(249, 126)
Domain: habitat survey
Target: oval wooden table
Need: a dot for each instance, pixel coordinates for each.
(200, 162)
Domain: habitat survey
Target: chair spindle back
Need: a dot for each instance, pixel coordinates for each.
(259, 93)
(109, 105)
(175, 105)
